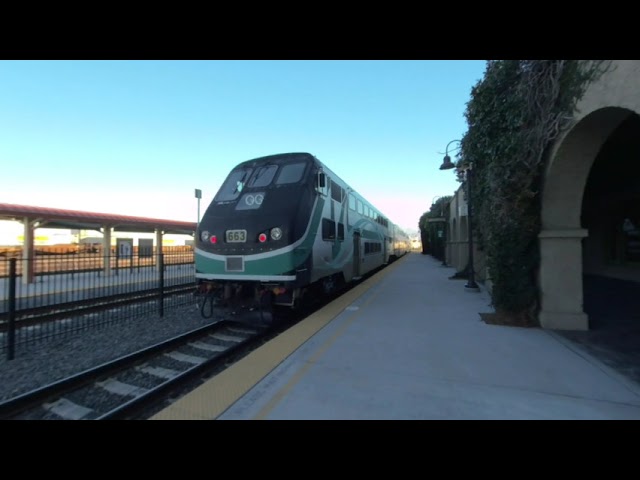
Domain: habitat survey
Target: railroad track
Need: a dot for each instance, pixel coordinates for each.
(123, 388)
(135, 386)
(38, 315)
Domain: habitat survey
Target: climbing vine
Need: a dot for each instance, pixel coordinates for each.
(431, 240)
(514, 114)
(437, 209)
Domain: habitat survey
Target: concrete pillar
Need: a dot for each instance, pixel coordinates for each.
(158, 247)
(28, 252)
(106, 250)
(561, 288)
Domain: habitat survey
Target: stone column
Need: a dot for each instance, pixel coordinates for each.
(28, 251)
(159, 234)
(106, 250)
(561, 288)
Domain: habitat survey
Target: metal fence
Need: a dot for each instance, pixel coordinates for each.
(59, 294)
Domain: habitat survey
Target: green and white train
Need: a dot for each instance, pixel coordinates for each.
(285, 227)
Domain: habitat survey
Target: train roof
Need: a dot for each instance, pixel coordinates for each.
(291, 156)
(278, 157)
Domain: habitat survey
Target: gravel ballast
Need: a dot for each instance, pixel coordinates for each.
(39, 364)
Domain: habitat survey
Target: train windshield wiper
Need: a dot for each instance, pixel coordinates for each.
(240, 183)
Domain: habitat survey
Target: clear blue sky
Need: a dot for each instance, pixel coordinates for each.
(138, 137)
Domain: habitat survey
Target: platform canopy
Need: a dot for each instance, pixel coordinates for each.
(80, 220)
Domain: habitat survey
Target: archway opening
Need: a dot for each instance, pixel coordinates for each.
(563, 232)
(611, 214)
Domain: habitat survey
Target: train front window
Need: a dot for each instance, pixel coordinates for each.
(233, 185)
(262, 176)
(291, 173)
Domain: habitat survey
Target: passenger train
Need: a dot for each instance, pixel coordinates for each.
(285, 227)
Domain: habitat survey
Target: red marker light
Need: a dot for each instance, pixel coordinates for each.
(213, 239)
(262, 237)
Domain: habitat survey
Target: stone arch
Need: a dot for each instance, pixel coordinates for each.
(560, 276)
(567, 174)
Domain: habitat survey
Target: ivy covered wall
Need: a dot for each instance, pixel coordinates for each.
(514, 114)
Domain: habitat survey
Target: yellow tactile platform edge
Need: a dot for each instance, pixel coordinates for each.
(210, 400)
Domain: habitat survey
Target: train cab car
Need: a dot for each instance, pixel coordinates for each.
(285, 226)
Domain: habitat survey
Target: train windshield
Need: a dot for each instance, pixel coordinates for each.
(259, 177)
(233, 185)
(291, 173)
(263, 176)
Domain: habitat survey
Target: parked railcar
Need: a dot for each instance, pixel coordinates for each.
(283, 227)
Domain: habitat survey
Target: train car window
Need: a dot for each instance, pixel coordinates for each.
(233, 185)
(360, 207)
(336, 191)
(328, 229)
(291, 173)
(340, 231)
(352, 202)
(262, 176)
(372, 247)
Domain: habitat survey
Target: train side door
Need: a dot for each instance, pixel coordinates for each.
(356, 255)
(385, 249)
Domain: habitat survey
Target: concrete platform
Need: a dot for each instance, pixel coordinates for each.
(408, 344)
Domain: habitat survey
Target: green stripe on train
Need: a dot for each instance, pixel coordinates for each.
(276, 265)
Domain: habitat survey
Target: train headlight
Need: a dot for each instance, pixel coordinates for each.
(276, 233)
(204, 235)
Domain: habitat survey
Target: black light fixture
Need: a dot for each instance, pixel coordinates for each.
(471, 284)
(447, 164)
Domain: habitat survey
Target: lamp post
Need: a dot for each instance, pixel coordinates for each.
(471, 284)
(444, 231)
(198, 196)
